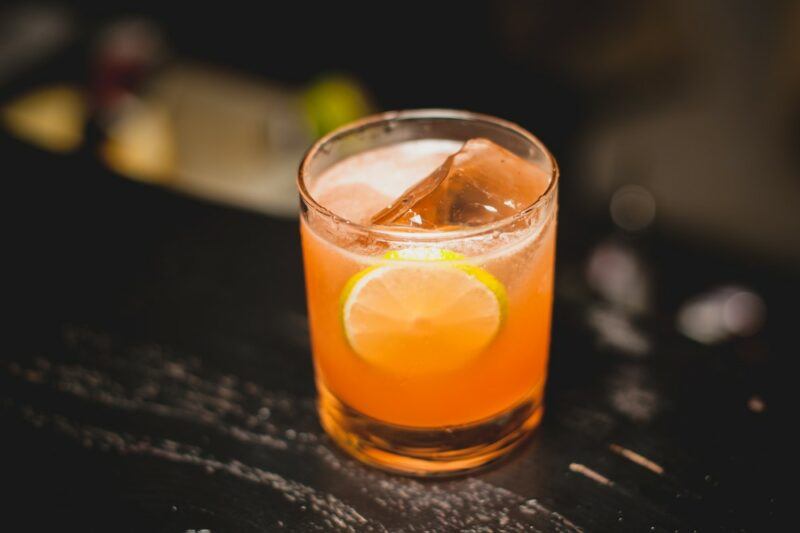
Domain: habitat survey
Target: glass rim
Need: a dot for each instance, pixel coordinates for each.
(416, 234)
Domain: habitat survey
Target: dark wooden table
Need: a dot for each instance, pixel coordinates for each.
(157, 377)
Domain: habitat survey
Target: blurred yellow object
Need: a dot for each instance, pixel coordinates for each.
(141, 143)
(333, 101)
(50, 117)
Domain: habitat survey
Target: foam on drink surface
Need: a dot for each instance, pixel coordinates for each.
(432, 184)
(358, 187)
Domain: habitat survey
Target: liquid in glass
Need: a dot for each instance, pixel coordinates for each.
(428, 244)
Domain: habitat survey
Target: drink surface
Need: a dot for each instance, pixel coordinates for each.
(360, 186)
(440, 334)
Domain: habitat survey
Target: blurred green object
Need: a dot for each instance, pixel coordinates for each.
(335, 100)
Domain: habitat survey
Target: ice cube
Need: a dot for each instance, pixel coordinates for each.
(353, 201)
(479, 184)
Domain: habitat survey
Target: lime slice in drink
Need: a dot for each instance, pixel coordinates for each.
(422, 312)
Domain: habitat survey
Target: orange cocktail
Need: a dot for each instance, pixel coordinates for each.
(428, 242)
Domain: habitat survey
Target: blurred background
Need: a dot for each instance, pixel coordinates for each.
(676, 124)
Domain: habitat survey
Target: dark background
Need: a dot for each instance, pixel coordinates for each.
(137, 313)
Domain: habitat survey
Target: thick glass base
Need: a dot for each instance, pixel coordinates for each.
(428, 451)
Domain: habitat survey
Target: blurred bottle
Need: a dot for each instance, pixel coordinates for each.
(227, 137)
(212, 133)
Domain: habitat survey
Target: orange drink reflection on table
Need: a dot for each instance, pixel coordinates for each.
(428, 243)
